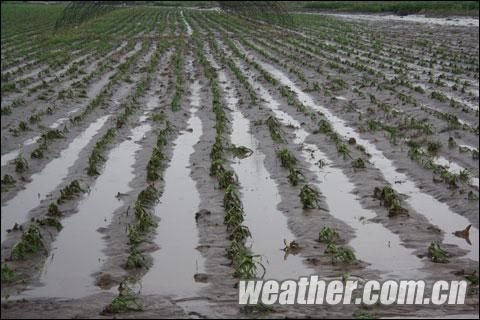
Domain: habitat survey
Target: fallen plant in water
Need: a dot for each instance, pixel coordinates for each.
(342, 149)
(241, 151)
(437, 254)
(309, 197)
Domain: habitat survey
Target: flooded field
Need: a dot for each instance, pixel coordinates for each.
(152, 157)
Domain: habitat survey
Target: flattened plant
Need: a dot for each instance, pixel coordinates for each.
(7, 274)
(390, 199)
(21, 164)
(274, 127)
(309, 197)
(126, 300)
(437, 254)
(31, 242)
(70, 191)
(7, 182)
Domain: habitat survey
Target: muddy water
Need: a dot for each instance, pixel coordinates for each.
(177, 234)
(6, 158)
(260, 198)
(16, 210)
(436, 212)
(373, 243)
(77, 252)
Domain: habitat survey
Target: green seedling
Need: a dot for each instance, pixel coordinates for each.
(70, 191)
(309, 197)
(241, 151)
(126, 299)
(7, 274)
(275, 131)
(287, 159)
(437, 254)
(21, 165)
(358, 164)
(53, 211)
(31, 242)
(328, 235)
(7, 182)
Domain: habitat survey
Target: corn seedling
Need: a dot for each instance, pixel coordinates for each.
(437, 254)
(328, 235)
(358, 164)
(7, 274)
(241, 151)
(7, 182)
(70, 191)
(274, 127)
(21, 165)
(31, 242)
(126, 299)
(309, 197)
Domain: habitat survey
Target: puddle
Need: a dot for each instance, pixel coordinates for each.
(16, 210)
(373, 243)
(6, 158)
(177, 234)
(260, 197)
(436, 212)
(77, 252)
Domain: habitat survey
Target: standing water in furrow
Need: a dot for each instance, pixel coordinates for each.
(16, 210)
(177, 234)
(373, 243)
(6, 158)
(260, 197)
(436, 212)
(77, 252)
